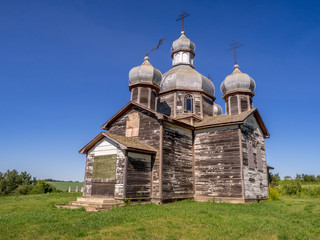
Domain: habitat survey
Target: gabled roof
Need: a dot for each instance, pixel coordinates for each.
(223, 120)
(131, 104)
(125, 109)
(125, 143)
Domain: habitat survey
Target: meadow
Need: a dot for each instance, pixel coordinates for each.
(36, 217)
(65, 185)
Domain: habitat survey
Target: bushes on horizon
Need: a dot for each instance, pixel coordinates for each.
(291, 187)
(42, 187)
(11, 180)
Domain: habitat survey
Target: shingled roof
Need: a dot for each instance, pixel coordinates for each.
(223, 120)
(125, 143)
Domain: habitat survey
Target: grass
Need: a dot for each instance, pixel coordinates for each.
(65, 185)
(35, 217)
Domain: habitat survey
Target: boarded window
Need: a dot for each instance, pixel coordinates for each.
(144, 95)
(134, 94)
(244, 103)
(188, 103)
(133, 124)
(250, 155)
(234, 105)
(104, 167)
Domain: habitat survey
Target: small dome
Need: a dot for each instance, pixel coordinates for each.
(217, 109)
(183, 44)
(237, 81)
(185, 77)
(145, 73)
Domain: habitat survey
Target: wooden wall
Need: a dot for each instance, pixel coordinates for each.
(177, 176)
(138, 176)
(165, 104)
(207, 105)
(217, 163)
(149, 132)
(104, 187)
(254, 161)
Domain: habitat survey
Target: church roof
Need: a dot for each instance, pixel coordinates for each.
(131, 104)
(223, 120)
(125, 143)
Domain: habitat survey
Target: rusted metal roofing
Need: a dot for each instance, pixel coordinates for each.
(125, 143)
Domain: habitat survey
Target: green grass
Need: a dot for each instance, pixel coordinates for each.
(65, 185)
(35, 217)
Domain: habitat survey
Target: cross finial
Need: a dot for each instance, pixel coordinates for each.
(234, 45)
(181, 17)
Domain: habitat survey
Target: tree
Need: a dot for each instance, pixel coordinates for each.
(287, 177)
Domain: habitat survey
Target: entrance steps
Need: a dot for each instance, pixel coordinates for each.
(93, 204)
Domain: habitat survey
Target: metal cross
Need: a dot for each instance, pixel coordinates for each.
(156, 47)
(234, 45)
(181, 17)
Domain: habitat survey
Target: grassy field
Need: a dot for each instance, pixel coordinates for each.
(35, 217)
(65, 185)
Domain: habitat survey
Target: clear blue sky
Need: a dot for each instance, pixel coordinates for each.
(64, 72)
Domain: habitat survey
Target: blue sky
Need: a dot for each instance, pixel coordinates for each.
(64, 71)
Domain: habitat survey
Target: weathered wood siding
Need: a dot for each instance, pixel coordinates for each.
(138, 176)
(217, 163)
(196, 103)
(165, 104)
(104, 187)
(177, 177)
(149, 132)
(207, 105)
(254, 161)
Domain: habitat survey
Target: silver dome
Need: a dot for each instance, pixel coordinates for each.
(237, 81)
(183, 44)
(185, 77)
(145, 73)
(217, 109)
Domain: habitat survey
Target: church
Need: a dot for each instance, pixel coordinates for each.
(173, 142)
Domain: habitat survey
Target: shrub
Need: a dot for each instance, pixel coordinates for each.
(312, 191)
(292, 187)
(22, 189)
(274, 194)
(274, 179)
(42, 187)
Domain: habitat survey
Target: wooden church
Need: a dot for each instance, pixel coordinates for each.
(171, 141)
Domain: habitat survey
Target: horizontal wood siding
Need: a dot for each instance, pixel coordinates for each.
(149, 132)
(112, 184)
(254, 161)
(217, 163)
(234, 105)
(138, 176)
(177, 180)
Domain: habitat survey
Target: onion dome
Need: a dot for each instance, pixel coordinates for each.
(145, 73)
(237, 81)
(183, 44)
(182, 75)
(217, 109)
(186, 77)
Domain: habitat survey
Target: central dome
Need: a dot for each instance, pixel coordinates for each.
(182, 75)
(185, 77)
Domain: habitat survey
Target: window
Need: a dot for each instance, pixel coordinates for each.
(188, 103)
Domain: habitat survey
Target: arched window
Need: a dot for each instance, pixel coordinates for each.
(188, 103)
